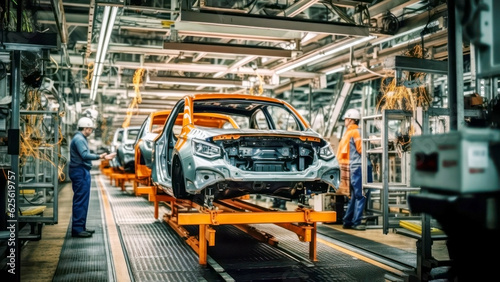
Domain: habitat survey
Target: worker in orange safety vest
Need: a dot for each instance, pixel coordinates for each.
(349, 158)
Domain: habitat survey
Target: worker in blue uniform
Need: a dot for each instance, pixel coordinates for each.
(79, 172)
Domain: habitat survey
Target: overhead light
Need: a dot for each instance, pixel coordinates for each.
(323, 53)
(108, 21)
(335, 70)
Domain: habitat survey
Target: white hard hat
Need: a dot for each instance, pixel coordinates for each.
(91, 113)
(352, 114)
(85, 122)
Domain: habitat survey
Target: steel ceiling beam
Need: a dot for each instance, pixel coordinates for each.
(165, 94)
(235, 65)
(71, 19)
(229, 49)
(339, 105)
(27, 41)
(60, 18)
(383, 7)
(198, 68)
(124, 48)
(194, 81)
(266, 24)
(297, 8)
(232, 32)
(92, 9)
(416, 65)
(203, 82)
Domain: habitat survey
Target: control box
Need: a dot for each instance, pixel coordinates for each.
(457, 162)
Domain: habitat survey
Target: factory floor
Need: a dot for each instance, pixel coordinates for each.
(43, 260)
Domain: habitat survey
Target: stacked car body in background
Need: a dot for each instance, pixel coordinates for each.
(150, 128)
(117, 140)
(123, 144)
(125, 152)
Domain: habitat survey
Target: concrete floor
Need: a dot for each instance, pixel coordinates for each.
(39, 259)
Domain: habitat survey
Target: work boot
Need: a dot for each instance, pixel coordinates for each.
(83, 234)
(360, 227)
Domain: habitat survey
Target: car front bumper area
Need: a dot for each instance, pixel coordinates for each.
(230, 180)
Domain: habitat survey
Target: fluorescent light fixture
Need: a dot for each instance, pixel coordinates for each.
(335, 70)
(320, 54)
(108, 21)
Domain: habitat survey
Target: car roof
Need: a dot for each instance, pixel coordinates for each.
(159, 117)
(221, 103)
(202, 96)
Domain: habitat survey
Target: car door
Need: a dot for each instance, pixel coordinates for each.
(164, 148)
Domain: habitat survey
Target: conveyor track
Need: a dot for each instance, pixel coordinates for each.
(155, 252)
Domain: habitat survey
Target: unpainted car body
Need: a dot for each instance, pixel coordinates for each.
(269, 150)
(125, 152)
(117, 140)
(150, 128)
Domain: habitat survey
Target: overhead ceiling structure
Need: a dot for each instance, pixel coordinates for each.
(301, 51)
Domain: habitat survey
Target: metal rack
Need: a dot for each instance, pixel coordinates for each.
(38, 177)
(391, 181)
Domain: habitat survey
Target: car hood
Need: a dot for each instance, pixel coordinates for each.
(217, 134)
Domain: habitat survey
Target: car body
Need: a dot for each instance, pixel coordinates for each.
(267, 148)
(125, 152)
(150, 128)
(117, 140)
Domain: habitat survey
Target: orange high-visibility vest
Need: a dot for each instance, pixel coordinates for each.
(349, 157)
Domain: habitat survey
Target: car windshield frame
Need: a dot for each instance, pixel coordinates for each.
(259, 114)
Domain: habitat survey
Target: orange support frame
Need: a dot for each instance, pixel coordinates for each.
(142, 190)
(121, 178)
(239, 213)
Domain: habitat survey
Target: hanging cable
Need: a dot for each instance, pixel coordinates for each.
(134, 104)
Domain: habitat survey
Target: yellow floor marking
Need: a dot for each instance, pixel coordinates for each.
(363, 258)
(121, 271)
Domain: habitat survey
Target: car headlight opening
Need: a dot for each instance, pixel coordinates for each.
(206, 150)
(326, 152)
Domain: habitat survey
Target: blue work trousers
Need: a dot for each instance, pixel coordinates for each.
(80, 178)
(355, 208)
(357, 202)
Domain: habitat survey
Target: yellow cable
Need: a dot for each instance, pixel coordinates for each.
(137, 81)
(399, 97)
(90, 73)
(33, 134)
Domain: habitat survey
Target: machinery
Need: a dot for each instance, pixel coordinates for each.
(459, 171)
